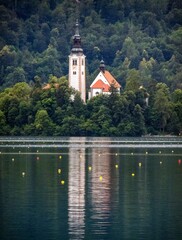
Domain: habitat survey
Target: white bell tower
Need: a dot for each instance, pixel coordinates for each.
(77, 65)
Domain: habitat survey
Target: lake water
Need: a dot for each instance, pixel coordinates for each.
(90, 188)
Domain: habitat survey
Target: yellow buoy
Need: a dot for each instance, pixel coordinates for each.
(160, 162)
(100, 178)
(89, 168)
(23, 174)
(140, 164)
(62, 182)
(13, 159)
(60, 157)
(59, 171)
(132, 174)
(116, 166)
(146, 153)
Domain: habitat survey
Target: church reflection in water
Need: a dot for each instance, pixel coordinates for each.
(99, 189)
(89, 174)
(76, 193)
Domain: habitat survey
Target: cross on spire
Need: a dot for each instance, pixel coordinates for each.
(77, 28)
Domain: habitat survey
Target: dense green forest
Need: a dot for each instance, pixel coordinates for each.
(140, 42)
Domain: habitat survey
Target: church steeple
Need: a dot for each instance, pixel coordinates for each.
(102, 66)
(76, 40)
(77, 65)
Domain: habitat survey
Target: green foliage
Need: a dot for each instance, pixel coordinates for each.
(43, 123)
(140, 41)
(133, 80)
(35, 39)
(52, 110)
(4, 129)
(162, 105)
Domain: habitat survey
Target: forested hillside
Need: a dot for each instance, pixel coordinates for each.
(140, 42)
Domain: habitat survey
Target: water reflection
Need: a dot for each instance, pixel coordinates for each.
(98, 199)
(100, 190)
(76, 193)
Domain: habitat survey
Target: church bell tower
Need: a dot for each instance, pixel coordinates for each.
(77, 65)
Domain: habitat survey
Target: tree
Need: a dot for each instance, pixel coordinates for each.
(139, 121)
(133, 80)
(4, 129)
(43, 124)
(21, 90)
(24, 111)
(78, 105)
(102, 119)
(126, 128)
(176, 118)
(71, 126)
(162, 105)
(175, 38)
(129, 49)
(89, 128)
(63, 93)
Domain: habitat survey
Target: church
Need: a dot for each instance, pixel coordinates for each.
(77, 75)
(103, 83)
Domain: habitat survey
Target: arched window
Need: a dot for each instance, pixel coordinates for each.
(74, 62)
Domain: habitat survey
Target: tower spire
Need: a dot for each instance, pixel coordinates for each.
(77, 28)
(102, 66)
(77, 9)
(76, 40)
(77, 75)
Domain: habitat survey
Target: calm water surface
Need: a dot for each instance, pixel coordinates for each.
(90, 188)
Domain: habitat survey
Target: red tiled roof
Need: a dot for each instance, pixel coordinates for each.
(111, 80)
(101, 85)
(48, 86)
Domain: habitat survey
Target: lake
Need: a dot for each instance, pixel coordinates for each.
(91, 188)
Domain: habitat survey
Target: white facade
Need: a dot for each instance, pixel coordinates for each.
(77, 73)
(102, 83)
(101, 77)
(77, 65)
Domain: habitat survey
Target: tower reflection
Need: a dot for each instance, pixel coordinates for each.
(100, 190)
(76, 193)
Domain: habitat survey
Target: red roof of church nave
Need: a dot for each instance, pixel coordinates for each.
(101, 85)
(105, 87)
(111, 80)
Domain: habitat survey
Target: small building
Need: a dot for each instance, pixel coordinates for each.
(103, 83)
